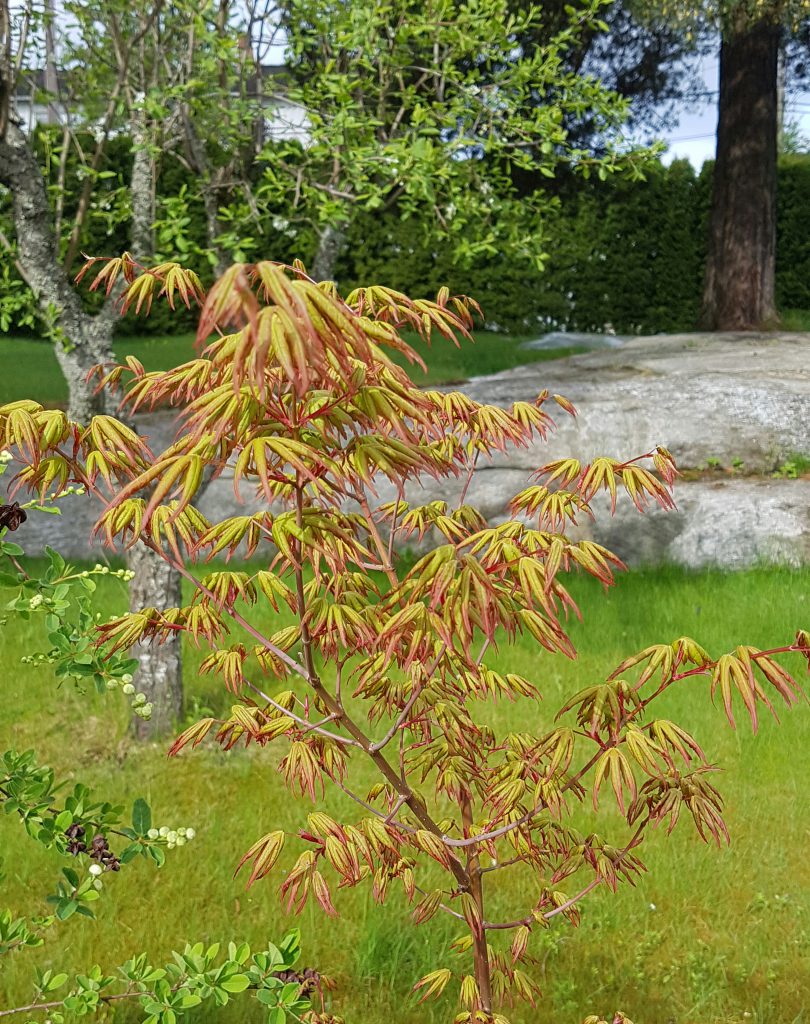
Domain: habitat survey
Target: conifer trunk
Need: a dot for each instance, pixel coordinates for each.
(739, 290)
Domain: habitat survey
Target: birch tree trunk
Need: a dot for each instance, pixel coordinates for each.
(198, 158)
(160, 669)
(83, 340)
(155, 584)
(331, 241)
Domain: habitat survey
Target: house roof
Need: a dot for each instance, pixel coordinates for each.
(33, 79)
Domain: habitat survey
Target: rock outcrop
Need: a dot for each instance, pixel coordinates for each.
(742, 399)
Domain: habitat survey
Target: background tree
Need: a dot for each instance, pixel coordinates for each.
(133, 67)
(431, 109)
(739, 288)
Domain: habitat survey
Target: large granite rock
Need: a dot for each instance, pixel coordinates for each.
(703, 396)
(726, 397)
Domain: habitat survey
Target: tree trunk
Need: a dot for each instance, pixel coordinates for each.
(740, 271)
(480, 949)
(331, 241)
(155, 584)
(6, 67)
(142, 238)
(82, 340)
(159, 675)
(75, 363)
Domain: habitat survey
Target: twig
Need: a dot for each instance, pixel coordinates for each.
(403, 716)
(308, 726)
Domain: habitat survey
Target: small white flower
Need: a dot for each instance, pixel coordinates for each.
(652, 906)
(190, 833)
(95, 869)
(152, 833)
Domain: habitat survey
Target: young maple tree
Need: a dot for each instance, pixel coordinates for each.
(361, 657)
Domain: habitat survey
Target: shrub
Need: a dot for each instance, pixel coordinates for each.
(97, 839)
(344, 654)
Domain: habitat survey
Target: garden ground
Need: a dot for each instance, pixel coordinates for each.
(30, 368)
(707, 937)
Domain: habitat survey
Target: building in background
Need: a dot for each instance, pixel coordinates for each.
(37, 101)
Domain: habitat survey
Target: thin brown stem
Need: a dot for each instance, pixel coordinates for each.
(382, 551)
(468, 481)
(593, 884)
(307, 726)
(388, 820)
(403, 715)
(392, 534)
(479, 936)
(443, 906)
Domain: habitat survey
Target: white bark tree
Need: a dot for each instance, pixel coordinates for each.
(131, 47)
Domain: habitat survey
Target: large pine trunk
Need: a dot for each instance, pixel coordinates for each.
(740, 270)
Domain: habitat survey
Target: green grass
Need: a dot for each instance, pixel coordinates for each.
(707, 937)
(30, 369)
(794, 319)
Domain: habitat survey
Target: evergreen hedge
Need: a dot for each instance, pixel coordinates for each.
(621, 254)
(626, 255)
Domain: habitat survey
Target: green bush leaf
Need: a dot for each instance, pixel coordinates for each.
(238, 983)
(141, 816)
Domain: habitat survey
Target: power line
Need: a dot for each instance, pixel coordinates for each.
(692, 138)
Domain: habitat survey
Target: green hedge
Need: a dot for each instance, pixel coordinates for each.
(625, 254)
(793, 234)
(620, 253)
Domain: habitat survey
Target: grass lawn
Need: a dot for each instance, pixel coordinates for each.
(30, 369)
(707, 937)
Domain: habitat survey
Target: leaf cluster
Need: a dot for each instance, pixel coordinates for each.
(346, 654)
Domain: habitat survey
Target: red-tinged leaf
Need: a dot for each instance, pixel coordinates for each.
(194, 735)
(471, 912)
(320, 891)
(564, 470)
(519, 943)
(434, 983)
(565, 404)
(427, 907)
(230, 302)
(264, 855)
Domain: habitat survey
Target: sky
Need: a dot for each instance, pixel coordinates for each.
(693, 137)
